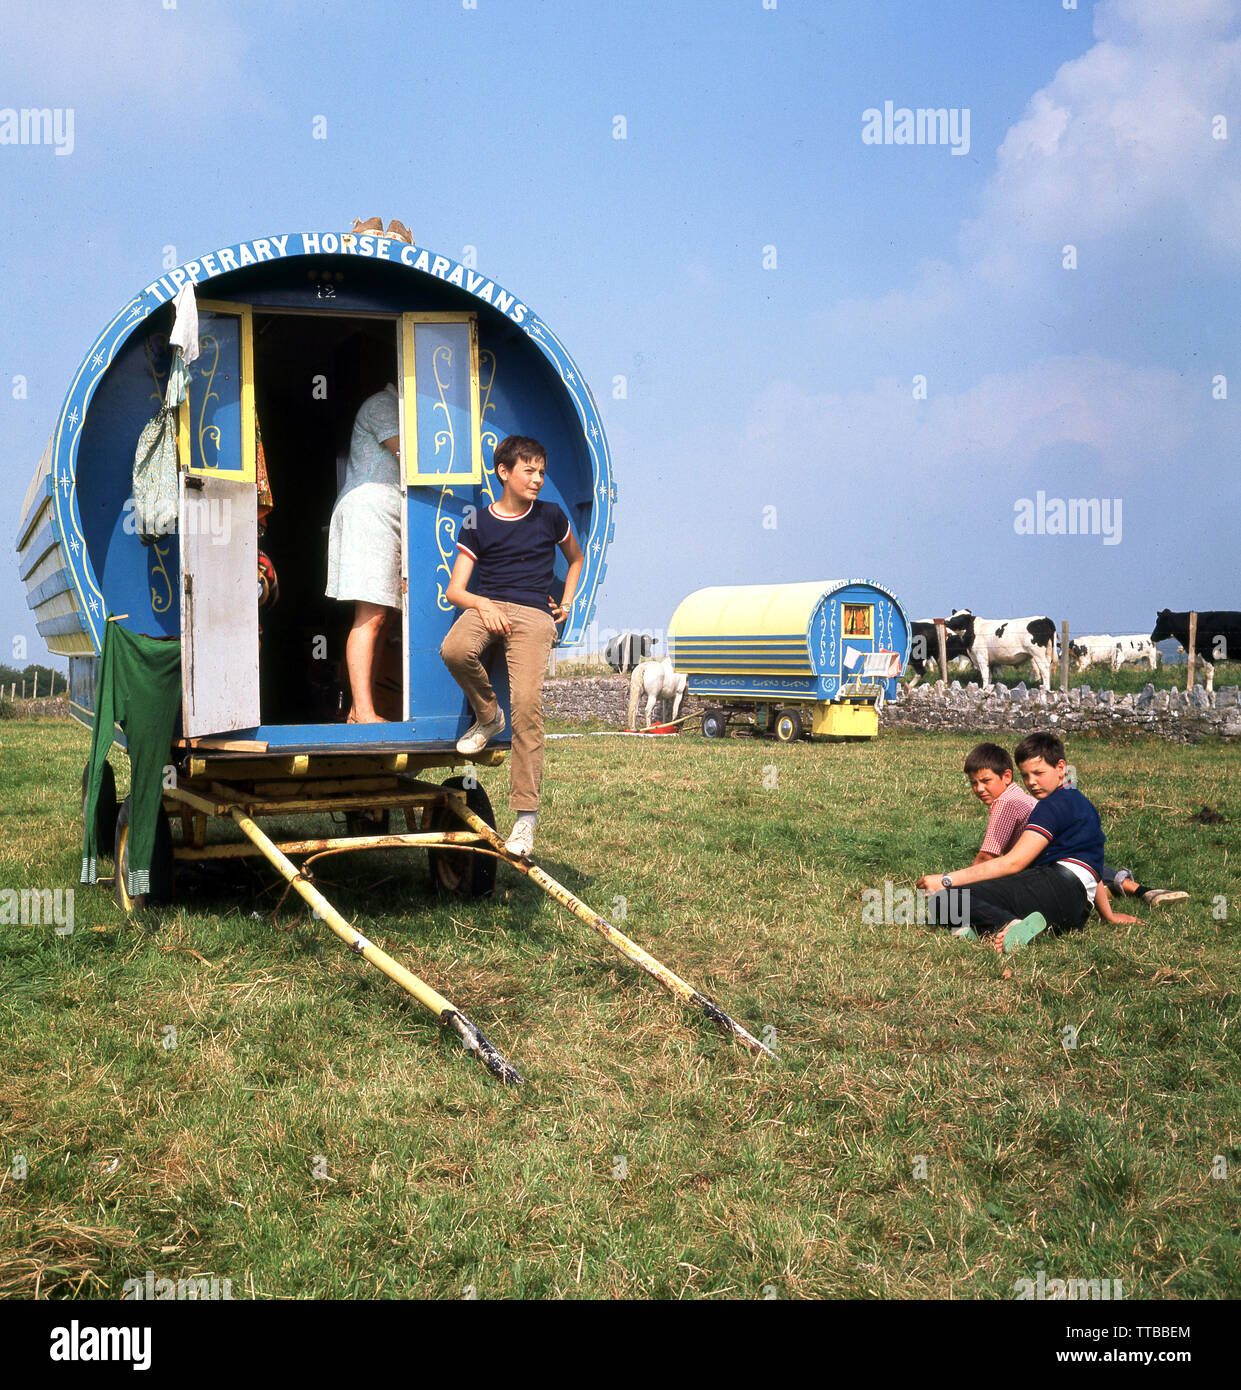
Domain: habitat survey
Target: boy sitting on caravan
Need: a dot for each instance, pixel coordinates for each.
(509, 553)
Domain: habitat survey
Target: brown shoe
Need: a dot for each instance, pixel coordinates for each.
(373, 226)
(398, 231)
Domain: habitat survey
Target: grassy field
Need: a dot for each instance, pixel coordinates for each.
(932, 1129)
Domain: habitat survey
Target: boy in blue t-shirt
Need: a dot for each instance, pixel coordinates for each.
(509, 554)
(1049, 876)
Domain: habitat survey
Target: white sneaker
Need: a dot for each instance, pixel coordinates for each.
(478, 736)
(521, 841)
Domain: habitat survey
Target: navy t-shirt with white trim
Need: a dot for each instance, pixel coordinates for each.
(515, 556)
(1071, 825)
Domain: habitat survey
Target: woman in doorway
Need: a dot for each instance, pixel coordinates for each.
(364, 543)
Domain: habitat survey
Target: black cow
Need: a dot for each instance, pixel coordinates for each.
(924, 648)
(1218, 636)
(627, 650)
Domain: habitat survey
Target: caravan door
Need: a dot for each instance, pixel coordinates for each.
(441, 446)
(218, 529)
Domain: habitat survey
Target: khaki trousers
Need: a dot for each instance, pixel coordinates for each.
(526, 651)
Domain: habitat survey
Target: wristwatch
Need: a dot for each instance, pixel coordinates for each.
(945, 880)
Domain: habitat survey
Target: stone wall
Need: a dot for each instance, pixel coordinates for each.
(1172, 714)
(598, 700)
(1178, 715)
(1182, 717)
(45, 707)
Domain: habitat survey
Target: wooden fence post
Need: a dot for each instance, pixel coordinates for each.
(943, 651)
(1193, 652)
(1064, 657)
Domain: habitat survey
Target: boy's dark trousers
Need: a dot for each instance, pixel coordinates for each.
(1051, 889)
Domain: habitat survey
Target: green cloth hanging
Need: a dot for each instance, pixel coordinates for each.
(139, 689)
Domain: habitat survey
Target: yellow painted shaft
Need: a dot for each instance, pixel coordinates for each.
(336, 844)
(353, 939)
(630, 949)
(470, 1036)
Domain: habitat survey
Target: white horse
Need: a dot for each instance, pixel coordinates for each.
(660, 682)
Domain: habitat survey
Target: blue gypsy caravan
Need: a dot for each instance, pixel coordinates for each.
(295, 331)
(792, 659)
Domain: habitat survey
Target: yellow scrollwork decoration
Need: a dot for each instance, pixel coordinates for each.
(445, 436)
(159, 553)
(159, 343)
(490, 438)
(205, 430)
(446, 524)
(446, 544)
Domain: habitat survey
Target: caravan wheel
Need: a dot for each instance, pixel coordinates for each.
(714, 723)
(161, 864)
(461, 873)
(789, 726)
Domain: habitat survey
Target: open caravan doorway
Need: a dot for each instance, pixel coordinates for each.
(311, 374)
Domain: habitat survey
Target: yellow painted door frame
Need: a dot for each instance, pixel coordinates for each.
(415, 474)
(185, 425)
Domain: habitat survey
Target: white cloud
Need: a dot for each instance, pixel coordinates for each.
(938, 294)
(1004, 425)
(1116, 155)
(1123, 136)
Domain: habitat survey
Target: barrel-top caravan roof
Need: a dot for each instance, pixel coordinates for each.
(57, 565)
(798, 634)
(760, 610)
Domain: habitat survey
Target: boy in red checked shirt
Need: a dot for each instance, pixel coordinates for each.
(990, 773)
(502, 579)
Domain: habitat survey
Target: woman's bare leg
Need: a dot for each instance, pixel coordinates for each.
(369, 622)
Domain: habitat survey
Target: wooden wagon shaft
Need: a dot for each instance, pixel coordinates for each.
(630, 949)
(472, 1038)
(336, 844)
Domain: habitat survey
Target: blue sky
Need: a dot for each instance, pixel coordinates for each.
(748, 388)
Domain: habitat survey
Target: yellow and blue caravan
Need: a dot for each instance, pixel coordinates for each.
(295, 331)
(792, 659)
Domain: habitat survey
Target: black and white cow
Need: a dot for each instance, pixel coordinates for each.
(627, 650)
(924, 648)
(1218, 636)
(1113, 652)
(1010, 642)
